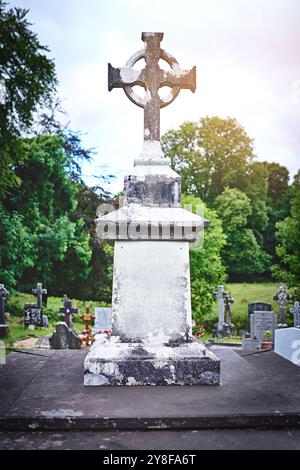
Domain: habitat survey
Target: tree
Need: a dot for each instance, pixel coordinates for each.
(288, 248)
(242, 253)
(210, 155)
(207, 270)
(28, 79)
(278, 204)
(44, 205)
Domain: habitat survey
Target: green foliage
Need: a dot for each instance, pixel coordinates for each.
(242, 253)
(210, 155)
(30, 82)
(207, 270)
(288, 248)
(41, 241)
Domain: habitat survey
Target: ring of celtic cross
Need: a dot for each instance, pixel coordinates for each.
(142, 101)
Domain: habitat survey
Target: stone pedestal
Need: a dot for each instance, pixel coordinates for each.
(151, 342)
(150, 362)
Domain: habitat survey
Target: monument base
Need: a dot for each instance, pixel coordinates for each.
(111, 362)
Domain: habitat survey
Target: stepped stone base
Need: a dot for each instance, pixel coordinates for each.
(111, 362)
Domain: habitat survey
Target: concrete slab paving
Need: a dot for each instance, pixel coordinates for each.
(48, 393)
(213, 439)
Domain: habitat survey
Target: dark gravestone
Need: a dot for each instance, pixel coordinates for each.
(258, 307)
(68, 310)
(3, 296)
(64, 338)
(33, 315)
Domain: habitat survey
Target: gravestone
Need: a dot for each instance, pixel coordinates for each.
(151, 341)
(224, 327)
(295, 310)
(102, 320)
(260, 322)
(33, 313)
(283, 298)
(257, 307)
(249, 343)
(228, 300)
(64, 338)
(287, 344)
(68, 310)
(3, 326)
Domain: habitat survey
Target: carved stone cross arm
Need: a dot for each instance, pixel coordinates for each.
(151, 78)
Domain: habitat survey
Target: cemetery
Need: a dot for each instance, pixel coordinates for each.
(162, 312)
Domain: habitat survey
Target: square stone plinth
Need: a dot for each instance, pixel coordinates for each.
(111, 362)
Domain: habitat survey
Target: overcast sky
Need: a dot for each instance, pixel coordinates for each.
(246, 53)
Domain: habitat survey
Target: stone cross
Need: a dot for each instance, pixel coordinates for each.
(295, 310)
(3, 296)
(68, 310)
(39, 292)
(152, 78)
(228, 302)
(282, 297)
(220, 295)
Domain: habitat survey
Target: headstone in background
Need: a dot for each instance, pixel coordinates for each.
(258, 307)
(260, 322)
(102, 320)
(295, 310)
(41, 295)
(68, 310)
(250, 343)
(287, 344)
(33, 313)
(219, 330)
(283, 298)
(64, 338)
(3, 326)
(228, 301)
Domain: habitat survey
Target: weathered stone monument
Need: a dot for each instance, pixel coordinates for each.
(295, 310)
(287, 344)
(3, 326)
(151, 341)
(223, 327)
(67, 311)
(283, 298)
(33, 313)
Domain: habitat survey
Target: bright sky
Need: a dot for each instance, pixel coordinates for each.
(246, 54)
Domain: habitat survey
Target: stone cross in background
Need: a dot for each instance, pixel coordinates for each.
(295, 310)
(220, 295)
(68, 310)
(283, 298)
(3, 296)
(228, 302)
(39, 292)
(152, 78)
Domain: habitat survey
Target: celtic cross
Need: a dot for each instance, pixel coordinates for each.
(152, 78)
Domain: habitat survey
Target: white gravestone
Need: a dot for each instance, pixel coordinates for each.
(260, 322)
(287, 344)
(102, 320)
